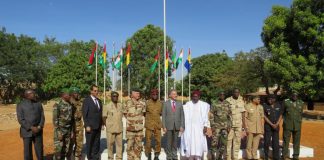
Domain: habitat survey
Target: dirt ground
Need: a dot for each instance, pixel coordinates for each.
(11, 146)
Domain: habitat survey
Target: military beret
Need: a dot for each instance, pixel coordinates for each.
(65, 91)
(196, 92)
(154, 91)
(221, 92)
(136, 90)
(113, 93)
(75, 90)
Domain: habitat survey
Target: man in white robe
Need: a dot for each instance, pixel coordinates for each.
(193, 139)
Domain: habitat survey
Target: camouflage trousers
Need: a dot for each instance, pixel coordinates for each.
(134, 144)
(78, 139)
(233, 143)
(63, 148)
(218, 143)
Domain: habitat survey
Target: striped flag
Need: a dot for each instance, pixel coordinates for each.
(167, 61)
(104, 56)
(179, 60)
(156, 61)
(119, 59)
(188, 62)
(128, 54)
(92, 56)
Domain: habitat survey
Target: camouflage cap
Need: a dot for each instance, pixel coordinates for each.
(113, 93)
(74, 90)
(294, 92)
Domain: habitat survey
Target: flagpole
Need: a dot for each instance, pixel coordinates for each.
(182, 81)
(128, 80)
(175, 71)
(96, 63)
(159, 74)
(164, 34)
(104, 77)
(113, 70)
(121, 79)
(189, 86)
(189, 75)
(167, 69)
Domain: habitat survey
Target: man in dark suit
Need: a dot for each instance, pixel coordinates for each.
(31, 118)
(173, 122)
(92, 116)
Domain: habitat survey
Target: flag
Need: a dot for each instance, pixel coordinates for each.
(188, 62)
(166, 61)
(156, 61)
(179, 60)
(104, 55)
(92, 56)
(128, 54)
(119, 59)
(174, 60)
(102, 58)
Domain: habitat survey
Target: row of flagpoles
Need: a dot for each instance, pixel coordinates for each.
(117, 61)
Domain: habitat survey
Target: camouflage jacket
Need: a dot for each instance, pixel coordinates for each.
(77, 109)
(134, 113)
(220, 115)
(63, 116)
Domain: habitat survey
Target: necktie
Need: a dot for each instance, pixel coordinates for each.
(173, 106)
(96, 103)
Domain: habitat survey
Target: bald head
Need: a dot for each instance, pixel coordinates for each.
(29, 94)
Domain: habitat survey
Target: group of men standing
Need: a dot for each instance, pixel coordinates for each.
(217, 128)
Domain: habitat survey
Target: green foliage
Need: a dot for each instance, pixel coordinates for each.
(295, 38)
(204, 70)
(72, 70)
(144, 46)
(23, 64)
(212, 73)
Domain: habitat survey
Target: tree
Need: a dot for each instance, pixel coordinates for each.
(295, 38)
(72, 70)
(204, 70)
(22, 65)
(145, 44)
(244, 71)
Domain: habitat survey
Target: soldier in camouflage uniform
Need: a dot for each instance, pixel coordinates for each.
(63, 126)
(220, 122)
(134, 110)
(292, 116)
(238, 125)
(78, 124)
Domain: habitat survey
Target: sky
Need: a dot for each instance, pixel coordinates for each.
(206, 26)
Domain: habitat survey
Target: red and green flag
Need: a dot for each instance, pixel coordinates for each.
(156, 61)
